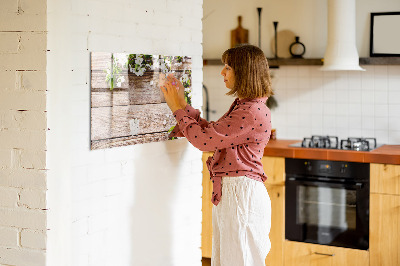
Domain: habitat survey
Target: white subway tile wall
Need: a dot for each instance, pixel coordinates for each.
(344, 103)
(313, 102)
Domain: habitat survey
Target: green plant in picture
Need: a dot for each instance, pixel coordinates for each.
(166, 64)
(170, 130)
(113, 77)
(139, 63)
(187, 83)
(179, 60)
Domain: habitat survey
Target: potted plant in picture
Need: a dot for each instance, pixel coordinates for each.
(142, 86)
(113, 74)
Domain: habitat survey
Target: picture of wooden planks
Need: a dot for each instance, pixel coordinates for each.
(127, 105)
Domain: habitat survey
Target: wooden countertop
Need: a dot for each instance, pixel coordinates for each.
(389, 154)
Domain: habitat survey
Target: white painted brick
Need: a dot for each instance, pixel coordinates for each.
(8, 197)
(33, 239)
(30, 61)
(178, 7)
(12, 138)
(36, 7)
(34, 120)
(97, 172)
(22, 100)
(33, 199)
(196, 10)
(127, 168)
(80, 227)
(9, 42)
(8, 237)
(17, 256)
(114, 186)
(25, 22)
(23, 178)
(15, 158)
(8, 6)
(33, 42)
(154, 32)
(20, 217)
(98, 222)
(31, 80)
(33, 159)
(7, 80)
(101, 42)
(79, 175)
(5, 158)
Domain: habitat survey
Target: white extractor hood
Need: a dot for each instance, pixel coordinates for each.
(341, 51)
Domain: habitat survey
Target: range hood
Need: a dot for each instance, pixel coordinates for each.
(341, 51)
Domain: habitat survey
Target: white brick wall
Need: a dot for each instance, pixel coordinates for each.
(134, 205)
(22, 132)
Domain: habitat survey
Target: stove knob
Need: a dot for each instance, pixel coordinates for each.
(308, 166)
(343, 168)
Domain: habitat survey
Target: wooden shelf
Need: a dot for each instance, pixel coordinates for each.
(274, 63)
(295, 62)
(380, 61)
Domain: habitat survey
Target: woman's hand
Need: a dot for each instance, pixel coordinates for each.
(174, 93)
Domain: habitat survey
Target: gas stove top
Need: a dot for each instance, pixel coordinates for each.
(332, 142)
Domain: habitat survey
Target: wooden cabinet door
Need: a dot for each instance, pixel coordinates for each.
(277, 233)
(304, 254)
(384, 237)
(385, 178)
(274, 168)
(206, 226)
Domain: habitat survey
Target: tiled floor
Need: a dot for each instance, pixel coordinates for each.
(206, 261)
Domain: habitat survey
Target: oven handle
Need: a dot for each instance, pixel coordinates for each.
(324, 254)
(357, 185)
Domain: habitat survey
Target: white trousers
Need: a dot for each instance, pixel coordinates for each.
(241, 223)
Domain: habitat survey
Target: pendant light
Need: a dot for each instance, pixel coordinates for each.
(341, 51)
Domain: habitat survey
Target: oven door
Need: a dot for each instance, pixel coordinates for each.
(327, 213)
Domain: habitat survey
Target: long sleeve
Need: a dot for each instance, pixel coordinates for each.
(231, 130)
(193, 113)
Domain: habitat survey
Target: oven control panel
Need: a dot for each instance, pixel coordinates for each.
(337, 169)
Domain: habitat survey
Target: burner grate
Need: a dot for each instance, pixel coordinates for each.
(327, 142)
(358, 144)
(332, 142)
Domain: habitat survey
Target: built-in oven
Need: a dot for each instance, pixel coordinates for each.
(327, 202)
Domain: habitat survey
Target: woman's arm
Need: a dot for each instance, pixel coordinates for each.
(175, 96)
(237, 128)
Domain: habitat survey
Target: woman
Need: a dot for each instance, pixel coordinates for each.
(242, 208)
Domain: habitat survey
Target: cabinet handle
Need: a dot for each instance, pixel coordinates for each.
(324, 254)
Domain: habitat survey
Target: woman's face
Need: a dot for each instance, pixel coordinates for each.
(229, 76)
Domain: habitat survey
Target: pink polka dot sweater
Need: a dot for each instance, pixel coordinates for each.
(238, 139)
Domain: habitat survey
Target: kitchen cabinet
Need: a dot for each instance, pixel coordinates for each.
(385, 215)
(274, 168)
(385, 178)
(206, 226)
(305, 254)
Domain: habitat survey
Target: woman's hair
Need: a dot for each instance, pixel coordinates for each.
(250, 66)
